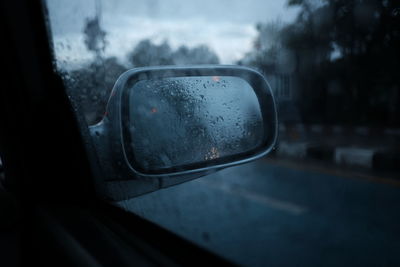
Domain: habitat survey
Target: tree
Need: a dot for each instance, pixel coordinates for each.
(346, 59)
(94, 37)
(92, 86)
(198, 55)
(266, 47)
(147, 53)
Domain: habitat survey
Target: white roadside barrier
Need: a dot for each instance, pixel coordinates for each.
(348, 156)
(293, 150)
(353, 156)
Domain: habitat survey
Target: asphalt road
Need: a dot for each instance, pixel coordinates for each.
(264, 213)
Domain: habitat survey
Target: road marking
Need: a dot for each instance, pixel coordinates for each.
(270, 202)
(335, 172)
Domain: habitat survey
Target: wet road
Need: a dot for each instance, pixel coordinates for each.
(264, 213)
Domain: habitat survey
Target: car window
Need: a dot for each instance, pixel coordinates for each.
(329, 192)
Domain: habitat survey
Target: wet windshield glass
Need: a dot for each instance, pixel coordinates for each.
(329, 192)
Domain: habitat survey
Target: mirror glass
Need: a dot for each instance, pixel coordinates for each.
(187, 120)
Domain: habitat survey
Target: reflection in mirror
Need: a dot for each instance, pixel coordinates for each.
(185, 120)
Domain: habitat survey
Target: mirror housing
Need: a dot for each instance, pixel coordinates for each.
(153, 112)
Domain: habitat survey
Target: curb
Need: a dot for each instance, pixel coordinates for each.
(367, 158)
(300, 129)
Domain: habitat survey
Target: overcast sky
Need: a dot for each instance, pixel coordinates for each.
(226, 26)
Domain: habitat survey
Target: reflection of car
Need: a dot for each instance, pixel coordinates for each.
(61, 220)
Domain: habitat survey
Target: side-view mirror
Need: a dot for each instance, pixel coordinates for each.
(166, 125)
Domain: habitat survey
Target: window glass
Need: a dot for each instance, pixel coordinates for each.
(329, 193)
